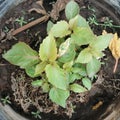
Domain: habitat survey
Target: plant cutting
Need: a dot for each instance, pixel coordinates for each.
(68, 58)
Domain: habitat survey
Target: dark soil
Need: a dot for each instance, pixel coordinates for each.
(90, 105)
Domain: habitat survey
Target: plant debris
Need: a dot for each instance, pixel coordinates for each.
(57, 8)
(114, 46)
(26, 95)
(38, 7)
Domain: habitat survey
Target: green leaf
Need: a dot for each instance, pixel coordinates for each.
(82, 22)
(48, 50)
(85, 56)
(67, 66)
(66, 51)
(82, 36)
(93, 67)
(80, 70)
(73, 23)
(57, 76)
(72, 9)
(78, 21)
(83, 71)
(101, 42)
(49, 26)
(73, 77)
(87, 83)
(77, 88)
(22, 55)
(30, 71)
(60, 29)
(37, 83)
(59, 41)
(59, 96)
(45, 87)
(96, 53)
(40, 68)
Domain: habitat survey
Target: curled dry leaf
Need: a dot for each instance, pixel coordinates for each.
(114, 47)
(38, 7)
(2, 35)
(57, 8)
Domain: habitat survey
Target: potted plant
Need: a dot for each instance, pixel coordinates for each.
(63, 66)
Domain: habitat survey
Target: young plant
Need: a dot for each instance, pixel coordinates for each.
(36, 114)
(20, 21)
(6, 29)
(6, 100)
(68, 57)
(92, 20)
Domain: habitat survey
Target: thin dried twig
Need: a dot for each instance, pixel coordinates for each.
(33, 23)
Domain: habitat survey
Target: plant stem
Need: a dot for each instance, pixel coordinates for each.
(115, 26)
(33, 23)
(115, 67)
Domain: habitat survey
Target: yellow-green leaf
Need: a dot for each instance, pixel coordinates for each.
(59, 96)
(73, 22)
(72, 9)
(60, 29)
(66, 51)
(68, 65)
(77, 88)
(82, 22)
(87, 83)
(93, 67)
(40, 68)
(82, 36)
(46, 87)
(49, 26)
(74, 76)
(30, 71)
(78, 21)
(22, 55)
(81, 70)
(101, 42)
(57, 76)
(37, 83)
(96, 53)
(85, 56)
(48, 49)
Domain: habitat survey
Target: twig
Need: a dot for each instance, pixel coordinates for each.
(33, 23)
(115, 67)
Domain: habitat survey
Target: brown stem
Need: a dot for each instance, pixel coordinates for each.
(35, 22)
(116, 64)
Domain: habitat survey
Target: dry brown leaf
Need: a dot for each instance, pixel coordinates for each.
(38, 7)
(114, 47)
(57, 8)
(2, 35)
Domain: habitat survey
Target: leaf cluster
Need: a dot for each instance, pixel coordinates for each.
(68, 57)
